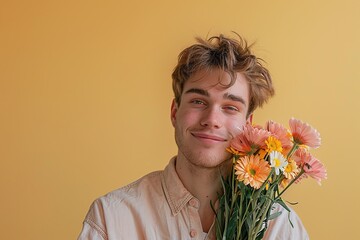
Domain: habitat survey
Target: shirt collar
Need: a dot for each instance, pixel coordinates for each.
(176, 194)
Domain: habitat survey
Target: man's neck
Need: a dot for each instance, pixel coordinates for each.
(204, 184)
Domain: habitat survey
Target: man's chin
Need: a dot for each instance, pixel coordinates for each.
(210, 161)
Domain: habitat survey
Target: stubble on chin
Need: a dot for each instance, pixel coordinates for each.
(201, 159)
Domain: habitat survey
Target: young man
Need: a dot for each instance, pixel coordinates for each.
(218, 84)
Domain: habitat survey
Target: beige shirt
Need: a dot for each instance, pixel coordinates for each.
(157, 206)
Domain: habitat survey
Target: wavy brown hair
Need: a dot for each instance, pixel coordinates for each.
(230, 55)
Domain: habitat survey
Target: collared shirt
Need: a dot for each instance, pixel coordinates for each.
(158, 206)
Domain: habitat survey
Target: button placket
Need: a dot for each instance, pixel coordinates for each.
(194, 217)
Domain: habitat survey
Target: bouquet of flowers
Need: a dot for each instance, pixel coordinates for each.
(266, 162)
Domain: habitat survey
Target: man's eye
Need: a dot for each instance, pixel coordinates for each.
(196, 101)
(231, 108)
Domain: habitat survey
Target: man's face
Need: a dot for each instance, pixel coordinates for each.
(209, 116)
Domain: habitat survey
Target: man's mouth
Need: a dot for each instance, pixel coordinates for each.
(209, 137)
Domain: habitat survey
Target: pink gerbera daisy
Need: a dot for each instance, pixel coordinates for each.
(301, 156)
(252, 170)
(312, 166)
(304, 134)
(315, 169)
(249, 140)
(280, 132)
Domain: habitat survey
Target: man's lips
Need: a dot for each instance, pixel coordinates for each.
(206, 136)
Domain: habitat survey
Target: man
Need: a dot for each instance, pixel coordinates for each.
(218, 84)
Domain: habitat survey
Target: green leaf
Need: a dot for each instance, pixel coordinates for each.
(281, 202)
(292, 203)
(233, 221)
(261, 234)
(292, 225)
(274, 215)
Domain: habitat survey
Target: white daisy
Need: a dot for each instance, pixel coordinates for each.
(277, 161)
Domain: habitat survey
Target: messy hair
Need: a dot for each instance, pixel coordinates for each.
(230, 55)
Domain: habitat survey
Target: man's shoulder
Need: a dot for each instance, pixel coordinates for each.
(151, 182)
(123, 205)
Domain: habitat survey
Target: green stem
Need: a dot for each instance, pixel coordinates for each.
(268, 205)
(238, 232)
(292, 150)
(234, 193)
(296, 178)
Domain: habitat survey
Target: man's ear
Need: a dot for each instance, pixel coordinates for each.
(250, 119)
(174, 108)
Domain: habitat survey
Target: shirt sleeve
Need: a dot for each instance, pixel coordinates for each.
(94, 227)
(280, 228)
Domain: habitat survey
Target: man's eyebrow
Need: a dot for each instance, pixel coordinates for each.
(225, 96)
(198, 91)
(234, 98)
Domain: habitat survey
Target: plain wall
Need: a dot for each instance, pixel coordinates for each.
(85, 94)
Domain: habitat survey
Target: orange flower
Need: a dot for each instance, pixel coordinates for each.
(304, 134)
(252, 170)
(285, 182)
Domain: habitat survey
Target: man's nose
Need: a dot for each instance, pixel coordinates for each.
(211, 118)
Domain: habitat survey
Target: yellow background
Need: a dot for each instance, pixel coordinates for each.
(85, 92)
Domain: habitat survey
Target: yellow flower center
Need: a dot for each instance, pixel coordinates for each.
(288, 168)
(252, 171)
(272, 145)
(277, 162)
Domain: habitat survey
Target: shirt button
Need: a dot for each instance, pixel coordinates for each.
(192, 233)
(193, 203)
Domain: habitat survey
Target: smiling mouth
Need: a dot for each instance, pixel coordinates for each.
(209, 137)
